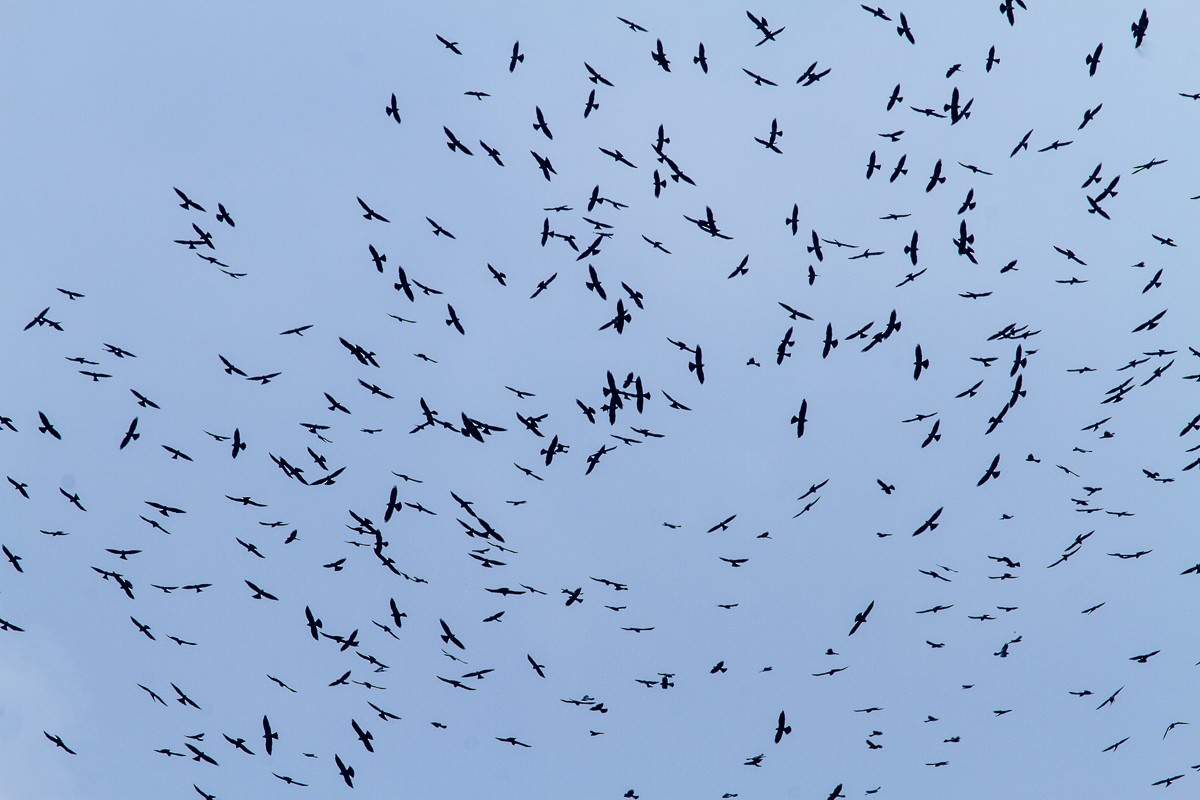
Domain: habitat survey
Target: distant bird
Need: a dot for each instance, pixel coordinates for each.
(1093, 61)
(269, 736)
(187, 201)
(449, 637)
(1139, 29)
(861, 617)
(130, 435)
(660, 57)
(453, 143)
(920, 363)
(544, 165)
(800, 418)
(596, 77)
(541, 125)
(260, 594)
(370, 214)
(449, 45)
(781, 728)
(46, 426)
(347, 773)
(58, 742)
(991, 472)
(1021, 145)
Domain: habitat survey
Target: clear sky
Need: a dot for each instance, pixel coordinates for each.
(714, 532)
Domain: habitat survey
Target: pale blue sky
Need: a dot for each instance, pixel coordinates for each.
(279, 116)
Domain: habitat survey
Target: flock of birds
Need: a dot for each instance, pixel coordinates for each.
(575, 437)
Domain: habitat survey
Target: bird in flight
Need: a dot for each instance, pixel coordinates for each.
(861, 617)
(369, 213)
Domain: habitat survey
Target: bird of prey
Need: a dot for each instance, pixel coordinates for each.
(448, 636)
(260, 594)
(861, 617)
(544, 165)
(781, 728)
(1139, 29)
(58, 742)
(596, 77)
(392, 110)
(660, 57)
(1093, 60)
(347, 773)
(800, 418)
(541, 125)
(449, 45)
(369, 213)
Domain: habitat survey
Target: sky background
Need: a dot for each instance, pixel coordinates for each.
(280, 118)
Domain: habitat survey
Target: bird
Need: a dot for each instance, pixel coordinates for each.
(1093, 60)
(920, 363)
(1172, 727)
(861, 617)
(364, 736)
(448, 636)
(596, 77)
(14, 560)
(260, 594)
(991, 59)
(991, 472)
(369, 213)
(130, 435)
(270, 736)
(453, 143)
(660, 57)
(541, 125)
(800, 419)
(1021, 145)
(57, 740)
(47, 427)
(449, 45)
(513, 741)
(453, 321)
(781, 727)
(1139, 29)
(72, 498)
(1109, 701)
(346, 773)
(544, 165)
